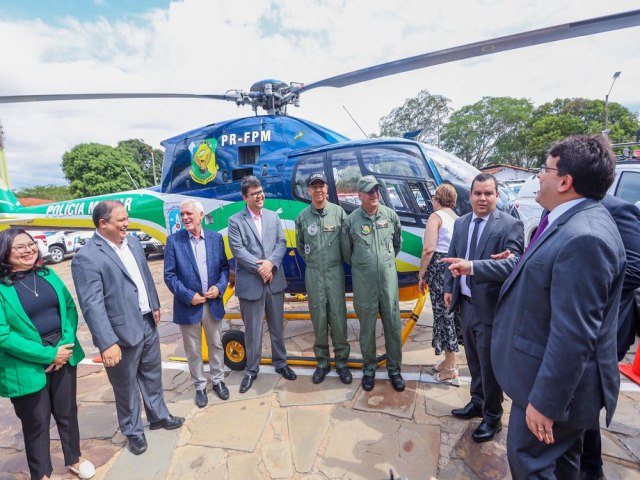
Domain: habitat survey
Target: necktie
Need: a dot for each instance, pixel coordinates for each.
(541, 228)
(474, 239)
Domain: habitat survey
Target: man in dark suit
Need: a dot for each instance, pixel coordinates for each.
(477, 235)
(120, 304)
(627, 218)
(257, 241)
(197, 273)
(554, 337)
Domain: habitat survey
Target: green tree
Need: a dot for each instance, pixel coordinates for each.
(424, 111)
(94, 169)
(55, 193)
(147, 157)
(554, 121)
(488, 131)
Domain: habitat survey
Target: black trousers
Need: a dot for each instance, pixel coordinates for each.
(57, 398)
(485, 389)
(530, 458)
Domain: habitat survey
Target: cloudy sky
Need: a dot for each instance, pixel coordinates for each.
(211, 46)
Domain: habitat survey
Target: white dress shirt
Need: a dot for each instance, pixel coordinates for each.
(464, 287)
(126, 256)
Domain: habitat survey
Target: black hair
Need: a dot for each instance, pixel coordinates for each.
(102, 211)
(589, 160)
(7, 275)
(249, 182)
(485, 177)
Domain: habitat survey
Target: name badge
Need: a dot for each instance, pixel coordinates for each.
(382, 224)
(329, 228)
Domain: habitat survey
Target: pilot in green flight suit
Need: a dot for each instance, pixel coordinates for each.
(318, 240)
(371, 239)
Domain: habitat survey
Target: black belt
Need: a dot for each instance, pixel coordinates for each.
(466, 299)
(148, 315)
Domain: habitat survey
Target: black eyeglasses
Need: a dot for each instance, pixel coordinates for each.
(256, 194)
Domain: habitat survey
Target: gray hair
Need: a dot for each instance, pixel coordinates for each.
(197, 204)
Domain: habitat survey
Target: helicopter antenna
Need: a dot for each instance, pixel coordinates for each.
(354, 121)
(131, 178)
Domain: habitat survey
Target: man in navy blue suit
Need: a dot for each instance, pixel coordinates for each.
(554, 337)
(196, 271)
(627, 218)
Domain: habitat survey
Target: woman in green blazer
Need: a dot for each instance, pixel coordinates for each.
(39, 352)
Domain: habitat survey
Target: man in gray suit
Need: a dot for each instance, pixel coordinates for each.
(479, 234)
(554, 336)
(257, 241)
(120, 304)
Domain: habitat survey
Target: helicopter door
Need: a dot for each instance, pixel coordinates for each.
(402, 196)
(346, 172)
(304, 167)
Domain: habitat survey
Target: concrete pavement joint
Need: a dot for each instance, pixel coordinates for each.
(625, 385)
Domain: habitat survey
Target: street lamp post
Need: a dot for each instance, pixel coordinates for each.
(153, 163)
(606, 104)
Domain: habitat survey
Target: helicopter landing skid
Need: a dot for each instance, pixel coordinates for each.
(234, 347)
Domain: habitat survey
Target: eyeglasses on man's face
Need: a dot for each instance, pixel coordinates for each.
(24, 247)
(258, 194)
(545, 168)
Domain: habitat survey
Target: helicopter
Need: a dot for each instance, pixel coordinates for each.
(208, 163)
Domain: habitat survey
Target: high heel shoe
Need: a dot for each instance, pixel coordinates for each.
(437, 367)
(454, 379)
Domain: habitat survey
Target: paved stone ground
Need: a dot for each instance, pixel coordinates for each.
(297, 430)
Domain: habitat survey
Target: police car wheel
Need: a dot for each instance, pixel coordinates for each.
(235, 354)
(57, 254)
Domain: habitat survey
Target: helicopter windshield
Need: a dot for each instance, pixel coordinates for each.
(451, 166)
(402, 161)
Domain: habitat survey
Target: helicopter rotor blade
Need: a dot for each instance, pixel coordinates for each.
(487, 47)
(231, 96)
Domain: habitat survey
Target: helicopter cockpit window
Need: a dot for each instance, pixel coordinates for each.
(451, 167)
(346, 173)
(304, 168)
(397, 160)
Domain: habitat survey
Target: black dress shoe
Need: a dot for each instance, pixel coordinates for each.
(287, 373)
(397, 382)
(470, 410)
(247, 381)
(169, 423)
(137, 444)
(201, 398)
(319, 374)
(345, 375)
(486, 431)
(221, 390)
(368, 381)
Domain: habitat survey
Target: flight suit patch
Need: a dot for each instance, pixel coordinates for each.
(312, 229)
(382, 224)
(329, 228)
(307, 249)
(365, 229)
